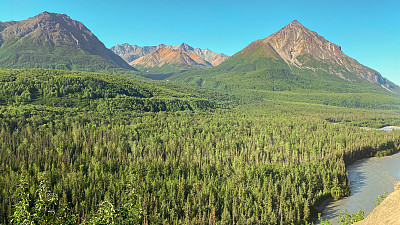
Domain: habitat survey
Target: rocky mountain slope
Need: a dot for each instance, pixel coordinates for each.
(218, 59)
(132, 52)
(292, 58)
(386, 213)
(172, 60)
(301, 47)
(51, 40)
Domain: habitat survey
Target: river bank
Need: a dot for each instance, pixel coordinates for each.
(387, 212)
(386, 128)
(368, 178)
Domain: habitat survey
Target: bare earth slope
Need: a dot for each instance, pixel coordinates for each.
(387, 213)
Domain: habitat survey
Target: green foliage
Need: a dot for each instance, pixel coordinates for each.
(323, 222)
(88, 91)
(167, 69)
(339, 190)
(344, 218)
(21, 213)
(380, 198)
(44, 211)
(186, 163)
(347, 218)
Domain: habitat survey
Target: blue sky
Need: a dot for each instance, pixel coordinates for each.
(367, 30)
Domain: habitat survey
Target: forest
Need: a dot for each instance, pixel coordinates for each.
(85, 148)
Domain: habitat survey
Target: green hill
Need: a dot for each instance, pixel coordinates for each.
(84, 91)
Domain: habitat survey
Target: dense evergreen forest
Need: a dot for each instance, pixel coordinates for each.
(84, 148)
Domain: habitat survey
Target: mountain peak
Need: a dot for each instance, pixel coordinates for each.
(295, 26)
(45, 13)
(54, 27)
(164, 56)
(58, 31)
(295, 23)
(49, 15)
(294, 40)
(185, 47)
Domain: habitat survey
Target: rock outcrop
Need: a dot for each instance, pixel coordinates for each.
(218, 59)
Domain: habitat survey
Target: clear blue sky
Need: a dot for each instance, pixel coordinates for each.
(367, 30)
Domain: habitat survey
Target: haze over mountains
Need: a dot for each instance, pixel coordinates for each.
(54, 41)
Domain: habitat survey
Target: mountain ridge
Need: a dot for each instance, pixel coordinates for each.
(132, 52)
(167, 58)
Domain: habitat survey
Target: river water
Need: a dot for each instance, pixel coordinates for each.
(369, 178)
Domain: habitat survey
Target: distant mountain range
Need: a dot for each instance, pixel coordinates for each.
(54, 41)
(165, 60)
(132, 52)
(292, 58)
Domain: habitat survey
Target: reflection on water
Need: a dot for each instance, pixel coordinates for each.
(369, 178)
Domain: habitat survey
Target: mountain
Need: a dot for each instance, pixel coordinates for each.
(300, 47)
(218, 59)
(55, 41)
(293, 58)
(166, 60)
(4, 25)
(205, 54)
(131, 52)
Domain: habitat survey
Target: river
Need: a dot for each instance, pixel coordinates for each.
(369, 178)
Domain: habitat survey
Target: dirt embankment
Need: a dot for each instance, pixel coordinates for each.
(387, 213)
